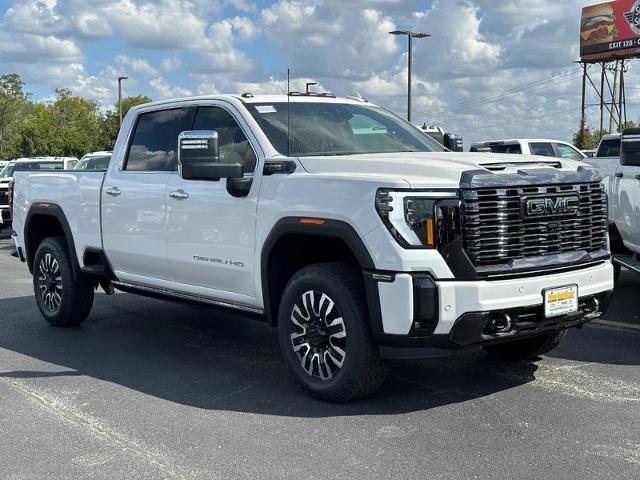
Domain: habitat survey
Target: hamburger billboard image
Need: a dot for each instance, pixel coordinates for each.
(610, 29)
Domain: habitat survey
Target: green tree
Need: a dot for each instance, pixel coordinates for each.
(70, 126)
(14, 102)
(110, 125)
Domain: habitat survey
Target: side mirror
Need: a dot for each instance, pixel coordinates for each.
(630, 147)
(199, 157)
(453, 142)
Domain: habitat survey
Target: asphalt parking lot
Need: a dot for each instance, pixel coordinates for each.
(148, 389)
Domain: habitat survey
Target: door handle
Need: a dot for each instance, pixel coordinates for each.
(179, 194)
(113, 191)
(619, 174)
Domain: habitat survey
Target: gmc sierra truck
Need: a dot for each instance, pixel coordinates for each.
(354, 234)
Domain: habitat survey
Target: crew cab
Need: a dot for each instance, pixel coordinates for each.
(526, 146)
(624, 202)
(335, 221)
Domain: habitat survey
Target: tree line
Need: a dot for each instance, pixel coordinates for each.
(68, 126)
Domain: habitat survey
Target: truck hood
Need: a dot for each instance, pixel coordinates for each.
(430, 170)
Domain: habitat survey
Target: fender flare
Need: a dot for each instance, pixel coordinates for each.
(55, 211)
(335, 229)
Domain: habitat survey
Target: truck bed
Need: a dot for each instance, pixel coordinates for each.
(76, 193)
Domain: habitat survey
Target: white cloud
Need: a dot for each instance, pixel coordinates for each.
(170, 63)
(163, 90)
(137, 65)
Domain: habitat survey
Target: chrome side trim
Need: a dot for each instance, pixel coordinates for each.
(186, 296)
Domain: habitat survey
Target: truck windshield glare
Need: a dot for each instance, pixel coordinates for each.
(327, 129)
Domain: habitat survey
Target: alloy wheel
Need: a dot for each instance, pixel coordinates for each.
(318, 335)
(50, 283)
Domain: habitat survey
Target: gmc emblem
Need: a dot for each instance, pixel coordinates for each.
(540, 206)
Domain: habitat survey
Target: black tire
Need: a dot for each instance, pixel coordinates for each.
(337, 292)
(617, 268)
(527, 349)
(62, 301)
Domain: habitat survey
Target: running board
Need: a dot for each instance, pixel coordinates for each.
(171, 294)
(627, 262)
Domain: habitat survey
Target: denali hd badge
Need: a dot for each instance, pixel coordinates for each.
(557, 205)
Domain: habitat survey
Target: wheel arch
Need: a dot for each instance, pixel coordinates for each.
(292, 245)
(48, 220)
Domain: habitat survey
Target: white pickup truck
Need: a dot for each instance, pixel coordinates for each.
(332, 219)
(623, 182)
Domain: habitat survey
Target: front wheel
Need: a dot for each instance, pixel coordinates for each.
(62, 301)
(324, 333)
(527, 349)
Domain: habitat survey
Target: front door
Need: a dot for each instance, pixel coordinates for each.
(134, 197)
(210, 234)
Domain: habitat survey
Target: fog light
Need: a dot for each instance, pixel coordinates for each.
(498, 323)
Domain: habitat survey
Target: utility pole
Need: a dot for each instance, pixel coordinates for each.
(120, 96)
(410, 36)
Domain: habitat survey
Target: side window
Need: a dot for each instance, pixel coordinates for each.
(568, 152)
(544, 149)
(233, 144)
(155, 140)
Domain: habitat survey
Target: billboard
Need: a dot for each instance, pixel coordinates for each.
(610, 29)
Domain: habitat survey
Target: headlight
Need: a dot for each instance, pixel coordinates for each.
(413, 218)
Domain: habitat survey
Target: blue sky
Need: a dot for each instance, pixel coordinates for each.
(480, 50)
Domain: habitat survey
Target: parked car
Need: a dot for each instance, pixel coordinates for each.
(589, 153)
(21, 164)
(357, 244)
(94, 161)
(543, 147)
(607, 158)
(624, 200)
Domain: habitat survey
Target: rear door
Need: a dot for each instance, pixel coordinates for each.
(626, 204)
(134, 196)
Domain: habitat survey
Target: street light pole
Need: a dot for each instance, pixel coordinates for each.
(120, 96)
(410, 36)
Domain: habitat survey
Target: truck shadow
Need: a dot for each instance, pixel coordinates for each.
(211, 360)
(602, 343)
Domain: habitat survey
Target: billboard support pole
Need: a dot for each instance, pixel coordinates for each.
(583, 119)
(621, 97)
(602, 99)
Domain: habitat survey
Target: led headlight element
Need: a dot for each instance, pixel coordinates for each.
(410, 216)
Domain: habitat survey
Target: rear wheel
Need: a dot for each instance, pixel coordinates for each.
(325, 336)
(62, 301)
(527, 349)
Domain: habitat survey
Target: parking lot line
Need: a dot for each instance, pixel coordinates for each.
(611, 323)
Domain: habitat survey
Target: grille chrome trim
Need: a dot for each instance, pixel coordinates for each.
(496, 232)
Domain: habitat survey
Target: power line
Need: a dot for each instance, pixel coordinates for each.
(531, 87)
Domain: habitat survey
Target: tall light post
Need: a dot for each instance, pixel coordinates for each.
(410, 36)
(120, 96)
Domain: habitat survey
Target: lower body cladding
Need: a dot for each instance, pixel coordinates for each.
(415, 316)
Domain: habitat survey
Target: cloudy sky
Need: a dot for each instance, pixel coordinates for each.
(492, 68)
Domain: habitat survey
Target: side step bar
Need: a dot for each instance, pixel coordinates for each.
(628, 262)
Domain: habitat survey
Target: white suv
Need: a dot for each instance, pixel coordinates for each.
(527, 146)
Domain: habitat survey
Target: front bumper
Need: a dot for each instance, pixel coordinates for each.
(415, 311)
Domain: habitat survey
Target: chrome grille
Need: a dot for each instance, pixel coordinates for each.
(495, 231)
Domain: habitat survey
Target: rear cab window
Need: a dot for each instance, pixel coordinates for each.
(609, 148)
(506, 148)
(543, 149)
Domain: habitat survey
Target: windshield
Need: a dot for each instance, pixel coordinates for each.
(325, 129)
(25, 166)
(94, 163)
(7, 171)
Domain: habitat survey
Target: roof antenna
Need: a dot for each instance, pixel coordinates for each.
(288, 113)
(310, 84)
